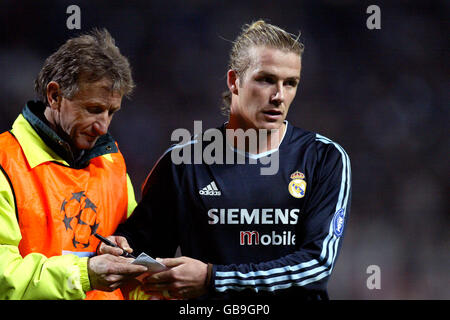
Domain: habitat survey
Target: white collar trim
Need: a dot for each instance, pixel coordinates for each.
(258, 155)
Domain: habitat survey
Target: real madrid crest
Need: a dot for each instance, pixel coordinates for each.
(297, 187)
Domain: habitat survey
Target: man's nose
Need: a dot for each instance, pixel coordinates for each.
(101, 124)
(278, 97)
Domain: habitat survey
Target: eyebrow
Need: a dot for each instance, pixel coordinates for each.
(268, 74)
(99, 103)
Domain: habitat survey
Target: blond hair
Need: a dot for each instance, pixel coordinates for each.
(258, 34)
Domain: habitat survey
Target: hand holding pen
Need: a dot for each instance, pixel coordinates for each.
(111, 268)
(123, 246)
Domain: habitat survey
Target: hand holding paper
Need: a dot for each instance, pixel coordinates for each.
(133, 289)
(152, 265)
(184, 278)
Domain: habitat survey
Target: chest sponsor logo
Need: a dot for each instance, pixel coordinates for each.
(264, 216)
(283, 238)
(253, 216)
(297, 187)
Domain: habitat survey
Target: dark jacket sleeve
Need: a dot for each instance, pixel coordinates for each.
(320, 233)
(151, 227)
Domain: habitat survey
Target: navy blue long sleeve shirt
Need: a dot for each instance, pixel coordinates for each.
(266, 235)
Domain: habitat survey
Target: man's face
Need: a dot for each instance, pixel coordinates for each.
(266, 90)
(86, 117)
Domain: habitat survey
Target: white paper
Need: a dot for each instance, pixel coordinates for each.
(152, 265)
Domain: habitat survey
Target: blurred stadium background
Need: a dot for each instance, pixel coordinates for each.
(382, 94)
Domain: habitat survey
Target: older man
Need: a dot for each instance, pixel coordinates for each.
(63, 178)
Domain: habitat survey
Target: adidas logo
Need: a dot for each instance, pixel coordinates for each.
(210, 190)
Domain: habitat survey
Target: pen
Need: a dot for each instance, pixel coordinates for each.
(109, 243)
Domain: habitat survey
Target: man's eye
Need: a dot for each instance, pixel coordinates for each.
(111, 112)
(95, 110)
(266, 80)
(292, 83)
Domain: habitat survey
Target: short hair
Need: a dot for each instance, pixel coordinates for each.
(257, 34)
(87, 58)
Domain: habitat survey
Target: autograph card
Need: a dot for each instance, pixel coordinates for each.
(152, 265)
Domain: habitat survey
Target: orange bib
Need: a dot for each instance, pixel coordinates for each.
(60, 208)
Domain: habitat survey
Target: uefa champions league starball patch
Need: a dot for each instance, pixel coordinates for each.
(338, 222)
(297, 187)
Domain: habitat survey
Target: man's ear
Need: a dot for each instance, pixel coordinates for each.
(53, 95)
(232, 81)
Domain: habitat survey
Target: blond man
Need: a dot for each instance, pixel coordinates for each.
(242, 233)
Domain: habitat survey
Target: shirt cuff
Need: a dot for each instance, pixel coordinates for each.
(210, 277)
(84, 276)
